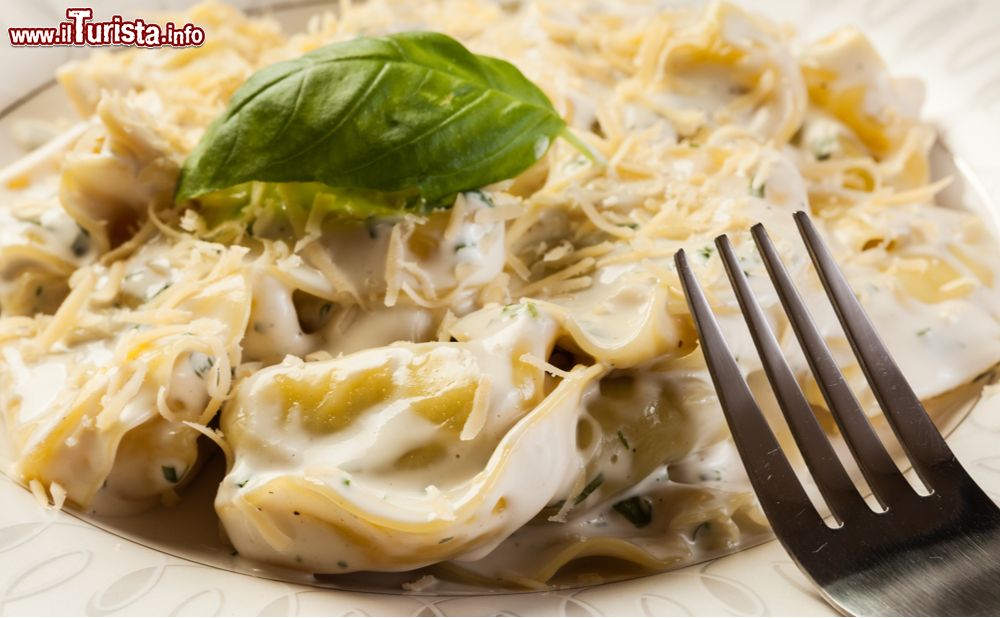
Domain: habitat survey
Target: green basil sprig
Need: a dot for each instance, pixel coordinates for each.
(412, 112)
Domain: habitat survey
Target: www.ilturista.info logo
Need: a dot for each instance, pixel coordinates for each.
(79, 31)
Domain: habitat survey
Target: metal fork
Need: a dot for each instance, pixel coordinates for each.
(936, 554)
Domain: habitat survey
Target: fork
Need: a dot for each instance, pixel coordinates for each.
(934, 554)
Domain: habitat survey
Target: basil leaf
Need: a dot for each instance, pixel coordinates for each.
(227, 204)
(410, 112)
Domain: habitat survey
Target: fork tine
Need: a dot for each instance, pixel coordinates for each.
(879, 470)
(781, 495)
(917, 434)
(832, 480)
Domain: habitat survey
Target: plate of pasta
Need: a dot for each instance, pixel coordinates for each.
(380, 297)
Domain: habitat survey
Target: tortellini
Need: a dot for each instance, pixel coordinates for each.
(874, 115)
(96, 397)
(40, 244)
(398, 457)
(724, 67)
(120, 168)
(507, 390)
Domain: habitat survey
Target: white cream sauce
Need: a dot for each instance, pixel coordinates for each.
(388, 402)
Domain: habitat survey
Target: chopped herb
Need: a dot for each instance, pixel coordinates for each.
(81, 243)
(706, 252)
(259, 327)
(694, 145)
(342, 564)
(631, 226)
(460, 246)
(823, 149)
(152, 295)
(711, 475)
(243, 483)
(485, 197)
(133, 275)
(347, 482)
(445, 540)
(704, 527)
(201, 363)
(590, 488)
(324, 310)
(923, 331)
(757, 190)
(170, 473)
(574, 164)
(624, 442)
(515, 308)
(637, 509)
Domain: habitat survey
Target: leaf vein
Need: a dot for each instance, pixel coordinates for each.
(369, 89)
(491, 156)
(444, 122)
(295, 109)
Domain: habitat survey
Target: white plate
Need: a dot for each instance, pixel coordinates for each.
(56, 563)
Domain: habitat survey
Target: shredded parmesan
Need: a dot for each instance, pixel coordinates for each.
(480, 407)
(379, 391)
(545, 366)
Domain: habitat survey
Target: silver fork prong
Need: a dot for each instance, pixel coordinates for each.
(831, 478)
(922, 442)
(781, 495)
(884, 478)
